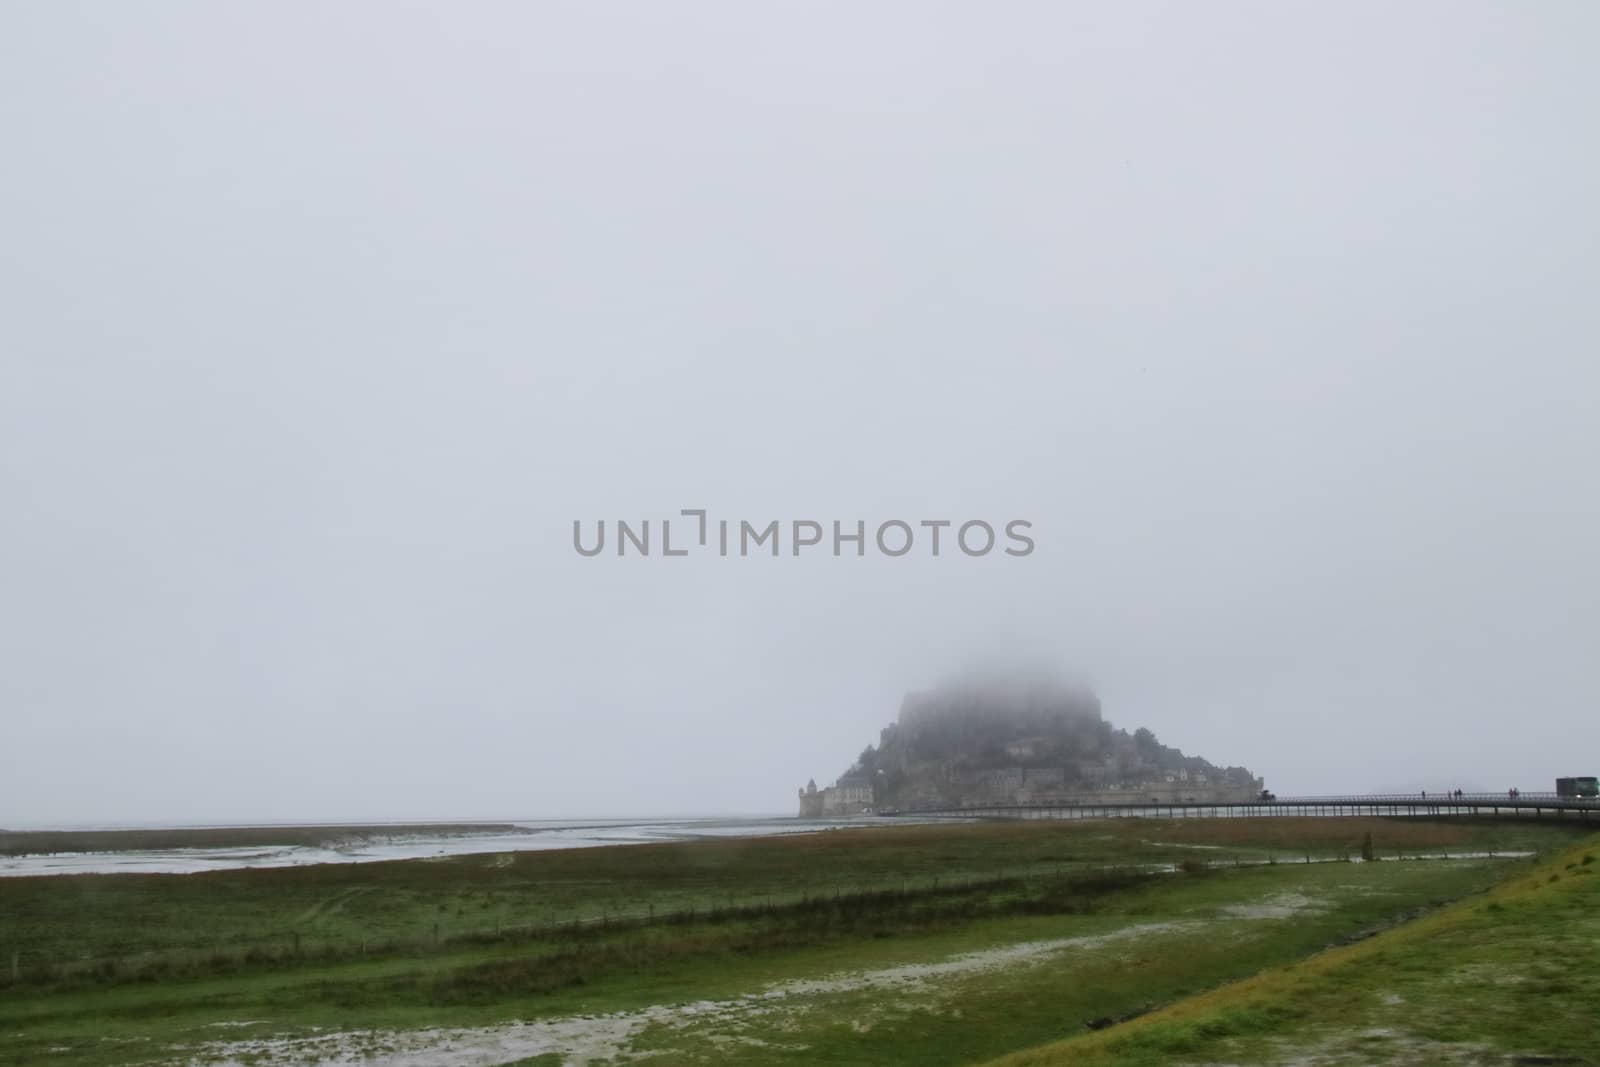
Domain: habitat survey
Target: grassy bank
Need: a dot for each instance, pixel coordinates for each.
(167, 966)
(57, 926)
(1510, 977)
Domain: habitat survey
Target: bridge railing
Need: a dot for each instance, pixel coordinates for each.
(1413, 800)
(1423, 798)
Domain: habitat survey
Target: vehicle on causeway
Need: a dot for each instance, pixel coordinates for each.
(1581, 787)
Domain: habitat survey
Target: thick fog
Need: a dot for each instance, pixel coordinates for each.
(321, 325)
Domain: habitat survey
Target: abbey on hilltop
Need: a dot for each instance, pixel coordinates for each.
(974, 743)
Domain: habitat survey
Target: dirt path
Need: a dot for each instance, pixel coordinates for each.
(333, 903)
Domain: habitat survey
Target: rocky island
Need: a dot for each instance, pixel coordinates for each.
(980, 742)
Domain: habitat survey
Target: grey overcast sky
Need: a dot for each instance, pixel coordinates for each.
(321, 323)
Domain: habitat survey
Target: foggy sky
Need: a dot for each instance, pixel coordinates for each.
(320, 324)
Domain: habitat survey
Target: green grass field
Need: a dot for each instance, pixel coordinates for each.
(1507, 977)
(917, 944)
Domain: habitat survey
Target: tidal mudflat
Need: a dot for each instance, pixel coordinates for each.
(192, 850)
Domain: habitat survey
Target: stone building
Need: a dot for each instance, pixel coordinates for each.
(848, 796)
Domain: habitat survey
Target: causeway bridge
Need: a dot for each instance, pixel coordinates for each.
(1530, 805)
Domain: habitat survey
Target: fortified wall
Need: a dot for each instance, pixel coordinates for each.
(848, 796)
